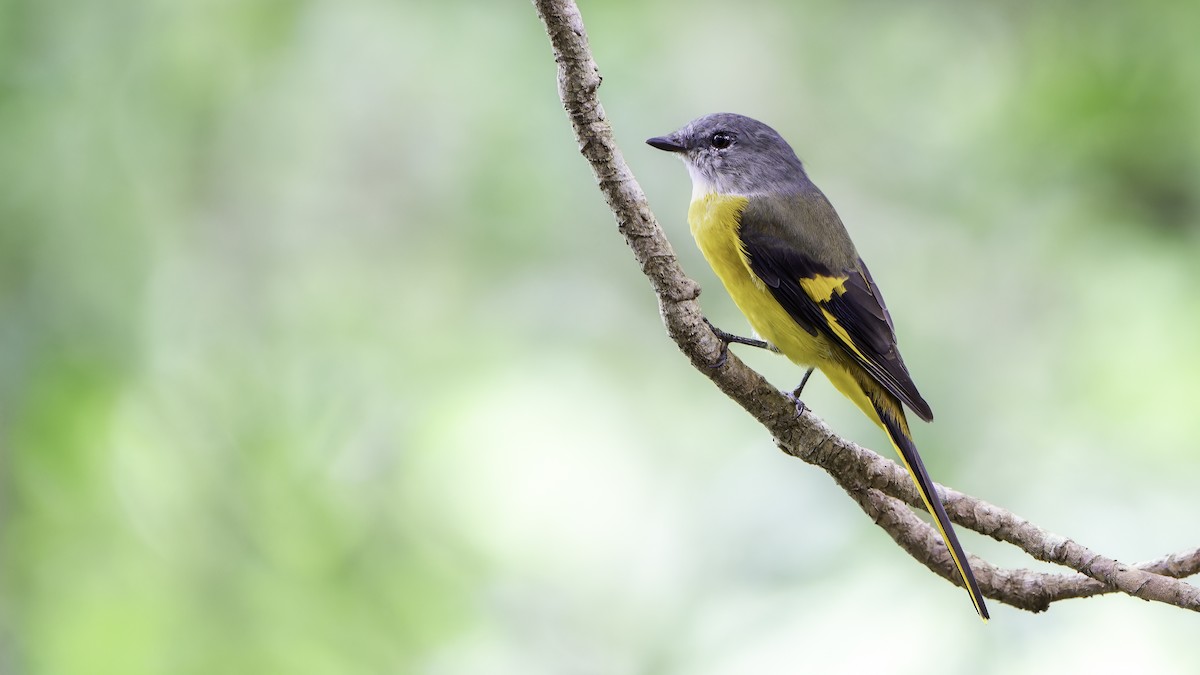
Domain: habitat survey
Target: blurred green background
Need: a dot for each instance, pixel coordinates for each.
(320, 352)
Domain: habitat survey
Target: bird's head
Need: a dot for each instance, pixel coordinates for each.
(734, 154)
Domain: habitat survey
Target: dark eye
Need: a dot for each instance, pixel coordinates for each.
(721, 140)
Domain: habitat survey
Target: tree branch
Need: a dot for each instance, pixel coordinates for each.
(876, 484)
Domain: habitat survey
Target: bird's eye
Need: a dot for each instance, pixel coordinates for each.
(721, 140)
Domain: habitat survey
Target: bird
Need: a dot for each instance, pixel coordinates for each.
(787, 261)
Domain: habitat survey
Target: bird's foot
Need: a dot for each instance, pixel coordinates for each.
(729, 338)
(794, 396)
(801, 406)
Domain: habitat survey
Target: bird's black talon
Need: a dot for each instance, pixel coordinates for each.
(715, 331)
(794, 397)
(801, 406)
(723, 357)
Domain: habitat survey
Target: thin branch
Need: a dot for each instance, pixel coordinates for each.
(853, 466)
(1021, 588)
(876, 484)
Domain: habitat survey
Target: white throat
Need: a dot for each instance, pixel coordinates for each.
(701, 185)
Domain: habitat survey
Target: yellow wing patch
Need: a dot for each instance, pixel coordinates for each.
(821, 288)
(841, 333)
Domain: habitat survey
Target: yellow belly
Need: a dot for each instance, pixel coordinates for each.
(714, 222)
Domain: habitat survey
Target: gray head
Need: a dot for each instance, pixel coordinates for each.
(734, 154)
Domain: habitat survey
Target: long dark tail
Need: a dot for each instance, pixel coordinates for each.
(897, 430)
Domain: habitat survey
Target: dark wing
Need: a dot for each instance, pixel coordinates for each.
(841, 304)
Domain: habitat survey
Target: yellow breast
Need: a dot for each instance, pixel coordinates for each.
(714, 220)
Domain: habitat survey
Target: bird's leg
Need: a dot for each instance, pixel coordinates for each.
(727, 338)
(795, 395)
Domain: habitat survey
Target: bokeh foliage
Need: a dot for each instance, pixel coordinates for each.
(320, 354)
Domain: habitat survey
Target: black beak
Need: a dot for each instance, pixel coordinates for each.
(665, 143)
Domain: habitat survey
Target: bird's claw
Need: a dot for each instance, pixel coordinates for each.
(729, 338)
(794, 396)
(801, 406)
(723, 357)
